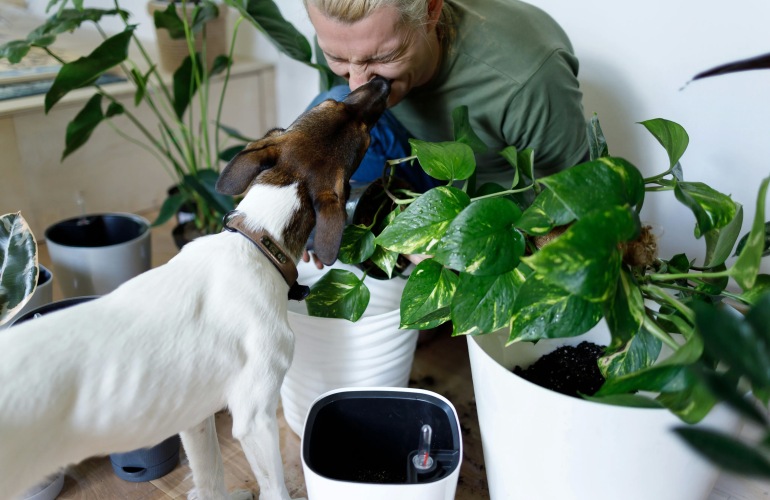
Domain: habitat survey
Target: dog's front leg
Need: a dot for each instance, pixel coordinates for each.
(205, 458)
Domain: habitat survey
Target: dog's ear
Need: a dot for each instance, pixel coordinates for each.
(241, 171)
(330, 219)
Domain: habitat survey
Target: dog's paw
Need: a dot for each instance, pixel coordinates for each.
(241, 495)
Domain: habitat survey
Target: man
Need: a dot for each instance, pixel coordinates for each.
(508, 61)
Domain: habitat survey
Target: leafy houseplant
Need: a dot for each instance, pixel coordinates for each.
(182, 141)
(550, 257)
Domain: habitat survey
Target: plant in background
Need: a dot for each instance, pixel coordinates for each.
(181, 140)
(18, 265)
(550, 257)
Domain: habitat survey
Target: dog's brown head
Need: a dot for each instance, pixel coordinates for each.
(318, 152)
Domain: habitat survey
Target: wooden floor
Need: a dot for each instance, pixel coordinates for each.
(440, 365)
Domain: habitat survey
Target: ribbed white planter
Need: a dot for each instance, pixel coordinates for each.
(335, 353)
(541, 445)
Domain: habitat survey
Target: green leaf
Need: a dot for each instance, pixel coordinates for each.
(597, 144)
(203, 13)
(712, 209)
(691, 404)
(724, 387)
(758, 290)
(624, 312)
(639, 353)
(735, 342)
(720, 241)
(545, 213)
(481, 240)
(170, 207)
(84, 123)
(169, 20)
(14, 50)
(742, 242)
(203, 183)
(382, 257)
(18, 264)
(727, 452)
(463, 131)
(626, 400)
(543, 311)
(445, 161)
(267, 18)
(420, 227)
(484, 304)
(511, 154)
(597, 185)
(186, 83)
(338, 294)
(357, 244)
(427, 296)
(235, 134)
(671, 136)
(86, 70)
(746, 267)
(585, 259)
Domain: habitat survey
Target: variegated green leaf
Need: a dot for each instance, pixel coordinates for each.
(463, 132)
(746, 267)
(712, 209)
(357, 244)
(543, 311)
(427, 296)
(481, 240)
(585, 259)
(419, 228)
(18, 264)
(484, 304)
(338, 294)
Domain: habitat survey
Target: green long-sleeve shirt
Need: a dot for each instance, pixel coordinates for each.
(514, 68)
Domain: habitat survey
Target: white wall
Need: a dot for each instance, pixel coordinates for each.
(636, 57)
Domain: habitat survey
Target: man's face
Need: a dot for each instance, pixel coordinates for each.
(378, 45)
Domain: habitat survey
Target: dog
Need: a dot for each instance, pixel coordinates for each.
(208, 330)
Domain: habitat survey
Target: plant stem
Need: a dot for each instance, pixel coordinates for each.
(227, 80)
(657, 332)
(661, 294)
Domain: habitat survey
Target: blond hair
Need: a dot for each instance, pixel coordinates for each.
(414, 13)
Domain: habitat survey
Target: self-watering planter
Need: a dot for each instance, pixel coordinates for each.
(381, 443)
(94, 254)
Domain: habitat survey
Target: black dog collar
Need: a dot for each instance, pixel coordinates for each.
(233, 222)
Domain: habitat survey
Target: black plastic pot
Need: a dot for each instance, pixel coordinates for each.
(95, 230)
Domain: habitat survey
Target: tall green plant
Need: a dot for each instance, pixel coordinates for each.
(181, 138)
(550, 257)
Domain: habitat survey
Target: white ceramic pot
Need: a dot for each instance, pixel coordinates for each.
(541, 445)
(95, 254)
(334, 353)
(358, 443)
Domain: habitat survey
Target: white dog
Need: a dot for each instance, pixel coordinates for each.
(165, 351)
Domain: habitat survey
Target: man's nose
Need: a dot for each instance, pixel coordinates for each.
(359, 75)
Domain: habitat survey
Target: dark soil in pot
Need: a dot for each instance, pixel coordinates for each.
(570, 370)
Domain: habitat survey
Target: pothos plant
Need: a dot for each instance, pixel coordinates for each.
(187, 141)
(550, 257)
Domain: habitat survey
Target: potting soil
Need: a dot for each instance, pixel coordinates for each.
(570, 370)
